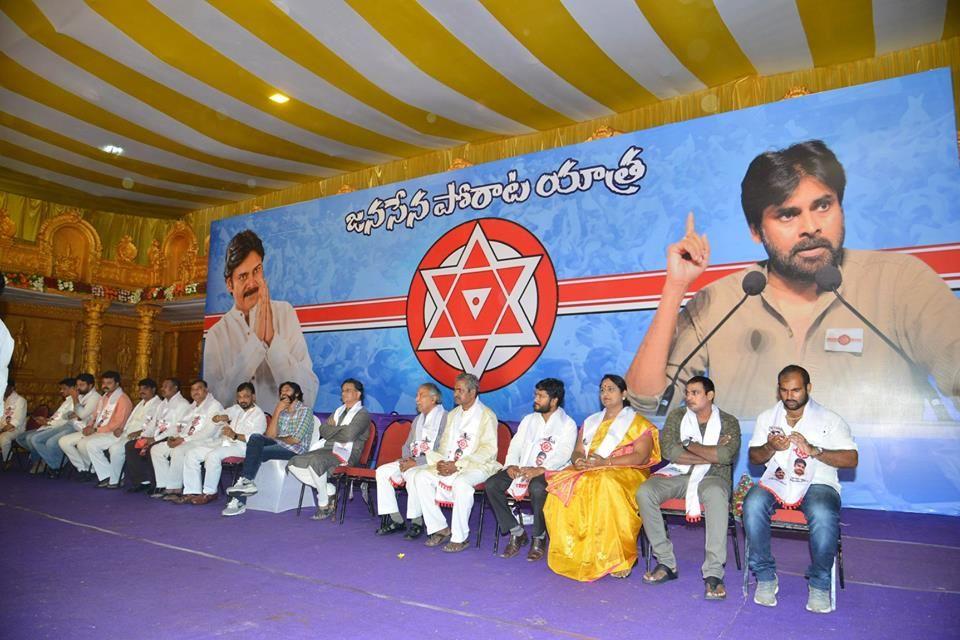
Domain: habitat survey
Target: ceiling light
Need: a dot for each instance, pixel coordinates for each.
(112, 149)
(279, 98)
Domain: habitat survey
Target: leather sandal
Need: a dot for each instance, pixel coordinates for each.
(714, 589)
(668, 575)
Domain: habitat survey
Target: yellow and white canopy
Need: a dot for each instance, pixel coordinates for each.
(184, 87)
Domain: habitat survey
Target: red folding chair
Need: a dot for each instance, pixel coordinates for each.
(391, 449)
(794, 520)
(504, 436)
(345, 474)
(678, 507)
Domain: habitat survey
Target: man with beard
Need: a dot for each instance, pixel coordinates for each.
(544, 441)
(259, 340)
(792, 200)
(808, 443)
(238, 422)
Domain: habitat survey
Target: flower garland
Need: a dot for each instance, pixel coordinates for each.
(37, 282)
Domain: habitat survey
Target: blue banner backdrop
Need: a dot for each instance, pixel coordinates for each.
(369, 272)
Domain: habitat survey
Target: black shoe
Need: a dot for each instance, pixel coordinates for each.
(137, 488)
(513, 548)
(103, 484)
(414, 531)
(392, 526)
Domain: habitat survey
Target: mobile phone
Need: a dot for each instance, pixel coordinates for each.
(776, 431)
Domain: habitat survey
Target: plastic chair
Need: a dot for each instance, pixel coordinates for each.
(794, 520)
(391, 449)
(504, 436)
(678, 507)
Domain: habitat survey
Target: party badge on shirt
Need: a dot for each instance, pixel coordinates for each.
(848, 340)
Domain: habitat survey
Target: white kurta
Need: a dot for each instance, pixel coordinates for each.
(164, 423)
(233, 354)
(14, 410)
(197, 428)
(6, 352)
(98, 444)
(212, 453)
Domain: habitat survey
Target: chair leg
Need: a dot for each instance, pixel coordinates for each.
(342, 489)
(366, 484)
(736, 543)
(840, 561)
(746, 570)
(483, 505)
(303, 489)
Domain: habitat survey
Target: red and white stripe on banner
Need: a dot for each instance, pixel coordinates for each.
(592, 294)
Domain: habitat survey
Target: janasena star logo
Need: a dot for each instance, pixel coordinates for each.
(483, 300)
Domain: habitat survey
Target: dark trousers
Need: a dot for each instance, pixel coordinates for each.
(497, 485)
(139, 469)
(259, 450)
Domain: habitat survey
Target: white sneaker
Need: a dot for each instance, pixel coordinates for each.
(818, 600)
(766, 593)
(243, 487)
(234, 508)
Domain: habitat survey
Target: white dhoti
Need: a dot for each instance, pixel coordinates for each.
(387, 493)
(463, 494)
(211, 457)
(311, 478)
(75, 446)
(168, 464)
(6, 442)
(97, 447)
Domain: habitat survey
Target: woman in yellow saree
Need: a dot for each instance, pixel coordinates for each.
(591, 509)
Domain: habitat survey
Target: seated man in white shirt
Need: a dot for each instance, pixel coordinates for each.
(544, 442)
(58, 420)
(797, 429)
(138, 465)
(195, 428)
(14, 419)
(108, 470)
(85, 399)
(238, 422)
(467, 457)
(426, 433)
(113, 410)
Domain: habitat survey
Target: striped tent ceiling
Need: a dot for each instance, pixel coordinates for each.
(184, 86)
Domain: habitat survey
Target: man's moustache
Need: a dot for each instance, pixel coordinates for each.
(805, 245)
(251, 292)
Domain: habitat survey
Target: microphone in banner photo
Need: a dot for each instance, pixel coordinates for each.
(753, 284)
(829, 278)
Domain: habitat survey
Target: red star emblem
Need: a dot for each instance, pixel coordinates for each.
(484, 301)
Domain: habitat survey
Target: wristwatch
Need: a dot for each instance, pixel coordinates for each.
(818, 452)
(686, 443)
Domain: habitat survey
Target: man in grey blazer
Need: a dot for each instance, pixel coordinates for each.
(425, 435)
(344, 433)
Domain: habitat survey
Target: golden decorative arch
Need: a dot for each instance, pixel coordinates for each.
(179, 254)
(70, 247)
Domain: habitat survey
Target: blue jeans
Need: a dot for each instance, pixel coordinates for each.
(25, 440)
(821, 506)
(45, 444)
(259, 450)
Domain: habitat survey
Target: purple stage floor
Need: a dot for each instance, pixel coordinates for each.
(85, 563)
